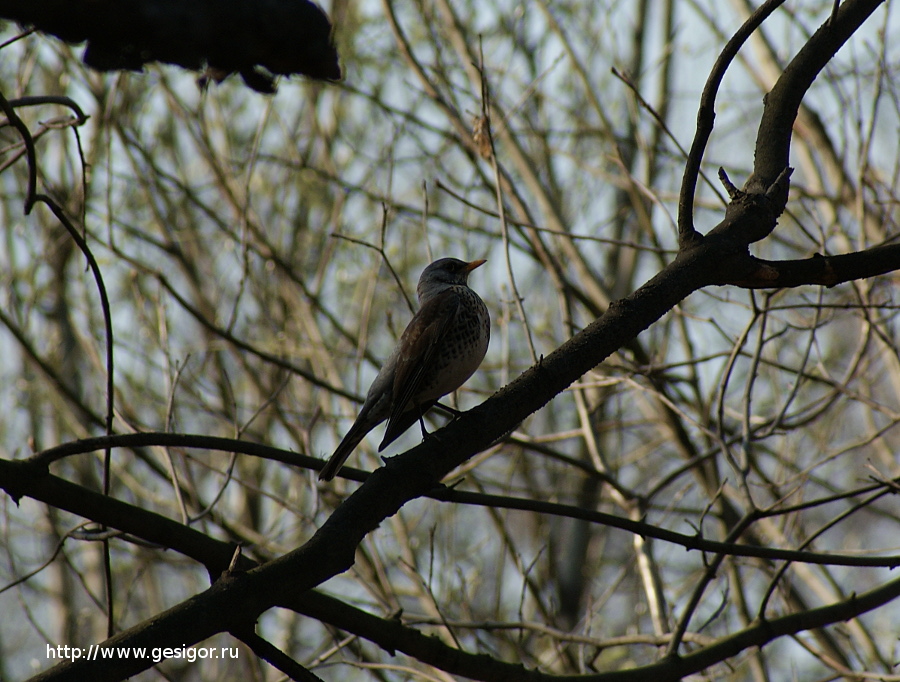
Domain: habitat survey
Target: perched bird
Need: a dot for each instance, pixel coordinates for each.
(439, 350)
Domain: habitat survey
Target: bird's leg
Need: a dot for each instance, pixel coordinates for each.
(452, 411)
(425, 433)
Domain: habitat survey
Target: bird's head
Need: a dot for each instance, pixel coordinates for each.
(443, 273)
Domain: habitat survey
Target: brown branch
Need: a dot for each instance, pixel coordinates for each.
(706, 116)
(20, 479)
(137, 440)
(826, 271)
(782, 103)
(30, 478)
(222, 601)
(275, 656)
(690, 542)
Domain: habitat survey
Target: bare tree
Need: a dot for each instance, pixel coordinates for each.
(678, 459)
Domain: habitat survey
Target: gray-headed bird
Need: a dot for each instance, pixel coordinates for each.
(439, 350)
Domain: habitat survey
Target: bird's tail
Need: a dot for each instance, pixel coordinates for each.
(356, 433)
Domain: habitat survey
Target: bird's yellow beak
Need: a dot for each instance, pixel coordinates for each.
(474, 264)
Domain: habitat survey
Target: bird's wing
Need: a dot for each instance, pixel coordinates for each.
(420, 341)
(398, 426)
